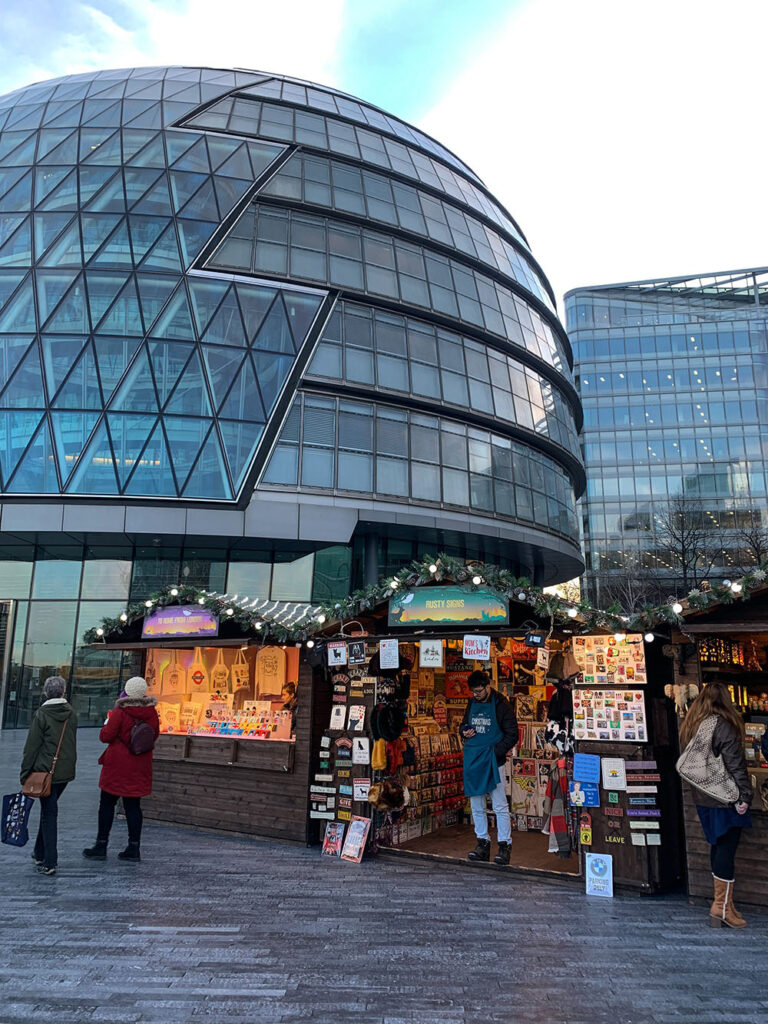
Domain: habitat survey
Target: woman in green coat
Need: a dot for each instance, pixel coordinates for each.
(39, 751)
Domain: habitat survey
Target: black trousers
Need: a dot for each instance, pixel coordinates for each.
(47, 834)
(133, 815)
(722, 854)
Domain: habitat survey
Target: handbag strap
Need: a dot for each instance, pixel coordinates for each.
(58, 748)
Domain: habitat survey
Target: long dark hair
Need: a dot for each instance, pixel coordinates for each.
(714, 699)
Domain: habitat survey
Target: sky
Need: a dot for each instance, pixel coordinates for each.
(625, 137)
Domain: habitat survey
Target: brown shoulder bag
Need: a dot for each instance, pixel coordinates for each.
(38, 784)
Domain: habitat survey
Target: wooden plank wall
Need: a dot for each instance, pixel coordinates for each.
(751, 860)
(260, 801)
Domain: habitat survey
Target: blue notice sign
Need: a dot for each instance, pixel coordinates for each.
(599, 874)
(584, 794)
(586, 767)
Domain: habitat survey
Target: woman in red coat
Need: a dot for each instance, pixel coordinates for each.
(124, 773)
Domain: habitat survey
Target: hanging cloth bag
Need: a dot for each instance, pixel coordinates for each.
(174, 677)
(197, 676)
(220, 674)
(39, 783)
(16, 809)
(152, 675)
(699, 766)
(239, 673)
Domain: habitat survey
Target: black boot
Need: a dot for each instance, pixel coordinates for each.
(482, 851)
(502, 857)
(98, 851)
(131, 852)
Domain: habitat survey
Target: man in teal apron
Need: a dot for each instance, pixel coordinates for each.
(489, 730)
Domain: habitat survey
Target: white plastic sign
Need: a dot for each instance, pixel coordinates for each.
(477, 648)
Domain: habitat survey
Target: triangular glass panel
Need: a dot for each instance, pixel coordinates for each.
(242, 402)
(110, 116)
(222, 148)
(154, 290)
(19, 198)
(139, 88)
(46, 180)
(10, 141)
(19, 314)
(48, 227)
(117, 252)
(153, 475)
(137, 391)
(9, 282)
(185, 439)
(157, 201)
(56, 108)
(51, 286)
(272, 372)
(8, 225)
(70, 118)
(138, 181)
(100, 146)
(168, 361)
(110, 199)
(92, 179)
(113, 356)
(64, 196)
(262, 155)
(195, 158)
(238, 165)
(8, 178)
(240, 443)
(176, 321)
(26, 116)
(190, 95)
(102, 291)
(20, 156)
(164, 254)
(36, 471)
(226, 327)
(223, 365)
(17, 251)
(95, 470)
(184, 184)
(25, 389)
(114, 92)
(148, 117)
(153, 154)
(173, 111)
(125, 315)
(71, 316)
(206, 294)
(134, 141)
(177, 144)
(95, 228)
(66, 251)
(81, 388)
(144, 231)
(129, 435)
(74, 90)
(190, 397)
(275, 334)
(209, 476)
(302, 310)
(202, 205)
(71, 431)
(12, 350)
(17, 428)
(193, 235)
(255, 301)
(230, 191)
(59, 355)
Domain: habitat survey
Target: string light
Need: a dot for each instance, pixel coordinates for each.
(174, 592)
(123, 617)
(477, 580)
(201, 600)
(677, 607)
(618, 637)
(230, 611)
(649, 638)
(99, 632)
(736, 588)
(310, 644)
(147, 604)
(433, 568)
(394, 584)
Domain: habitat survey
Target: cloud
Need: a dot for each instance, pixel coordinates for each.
(625, 138)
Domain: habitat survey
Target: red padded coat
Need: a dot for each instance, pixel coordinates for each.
(124, 773)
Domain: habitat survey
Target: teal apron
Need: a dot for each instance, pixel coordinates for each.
(481, 773)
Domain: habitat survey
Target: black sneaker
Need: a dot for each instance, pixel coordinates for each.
(502, 857)
(132, 852)
(36, 862)
(482, 852)
(43, 870)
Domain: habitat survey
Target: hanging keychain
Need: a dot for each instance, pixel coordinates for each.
(220, 674)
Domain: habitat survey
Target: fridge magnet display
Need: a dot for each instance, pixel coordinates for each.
(586, 767)
(584, 794)
(356, 652)
(361, 750)
(614, 773)
(605, 661)
(430, 654)
(389, 654)
(615, 715)
(354, 844)
(337, 652)
(599, 874)
(477, 648)
(334, 837)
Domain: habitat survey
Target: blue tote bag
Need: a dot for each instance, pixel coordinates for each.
(16, 809)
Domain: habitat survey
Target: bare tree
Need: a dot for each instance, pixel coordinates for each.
(690, 536)
(752, 534)
(631, 588)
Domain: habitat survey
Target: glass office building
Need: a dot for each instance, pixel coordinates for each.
(262, 337)
(673, 376)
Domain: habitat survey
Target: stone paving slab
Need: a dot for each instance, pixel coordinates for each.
(222, 930)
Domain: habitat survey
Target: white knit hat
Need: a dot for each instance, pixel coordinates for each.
(136, 687)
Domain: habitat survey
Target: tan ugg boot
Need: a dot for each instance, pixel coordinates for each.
(722, 912)
(732, 912)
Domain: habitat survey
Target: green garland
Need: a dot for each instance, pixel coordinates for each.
(581, 616)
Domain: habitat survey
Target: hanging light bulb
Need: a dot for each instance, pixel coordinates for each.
(147, 604)
(310, 644)
(677, 607)
(736, 588)
(230, 611)
(259, 625)
(433, 568)
(572, 613)
(394, 584)
(174, 592)
(123, 617)
(201, 600)
(726, 583)
(99, 631)
(649, 638)
(321, 619)
(477, 580)
(618, 637)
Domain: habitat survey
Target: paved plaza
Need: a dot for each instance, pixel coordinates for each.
(233, 931)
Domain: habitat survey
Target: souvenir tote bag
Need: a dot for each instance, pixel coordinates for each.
(174, 677)
(152, 675)
(220, 674)
(197, 676)
(16, 808)
(240, 672)
(701, 767)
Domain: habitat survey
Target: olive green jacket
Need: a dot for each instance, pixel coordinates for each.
(43, 738)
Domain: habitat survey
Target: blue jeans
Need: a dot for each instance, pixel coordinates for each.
(47, 833)
(501, 809)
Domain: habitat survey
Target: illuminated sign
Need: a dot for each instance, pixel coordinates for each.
(180, 621)
(448, 606)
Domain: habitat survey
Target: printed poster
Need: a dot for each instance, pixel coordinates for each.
(334, 835)
(389, 654)
(356, 652)
(430, 654)
(354, 844)
(586, 767)
(584, 794)
(599, 872)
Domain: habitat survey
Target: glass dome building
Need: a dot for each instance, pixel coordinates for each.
(264, 337)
